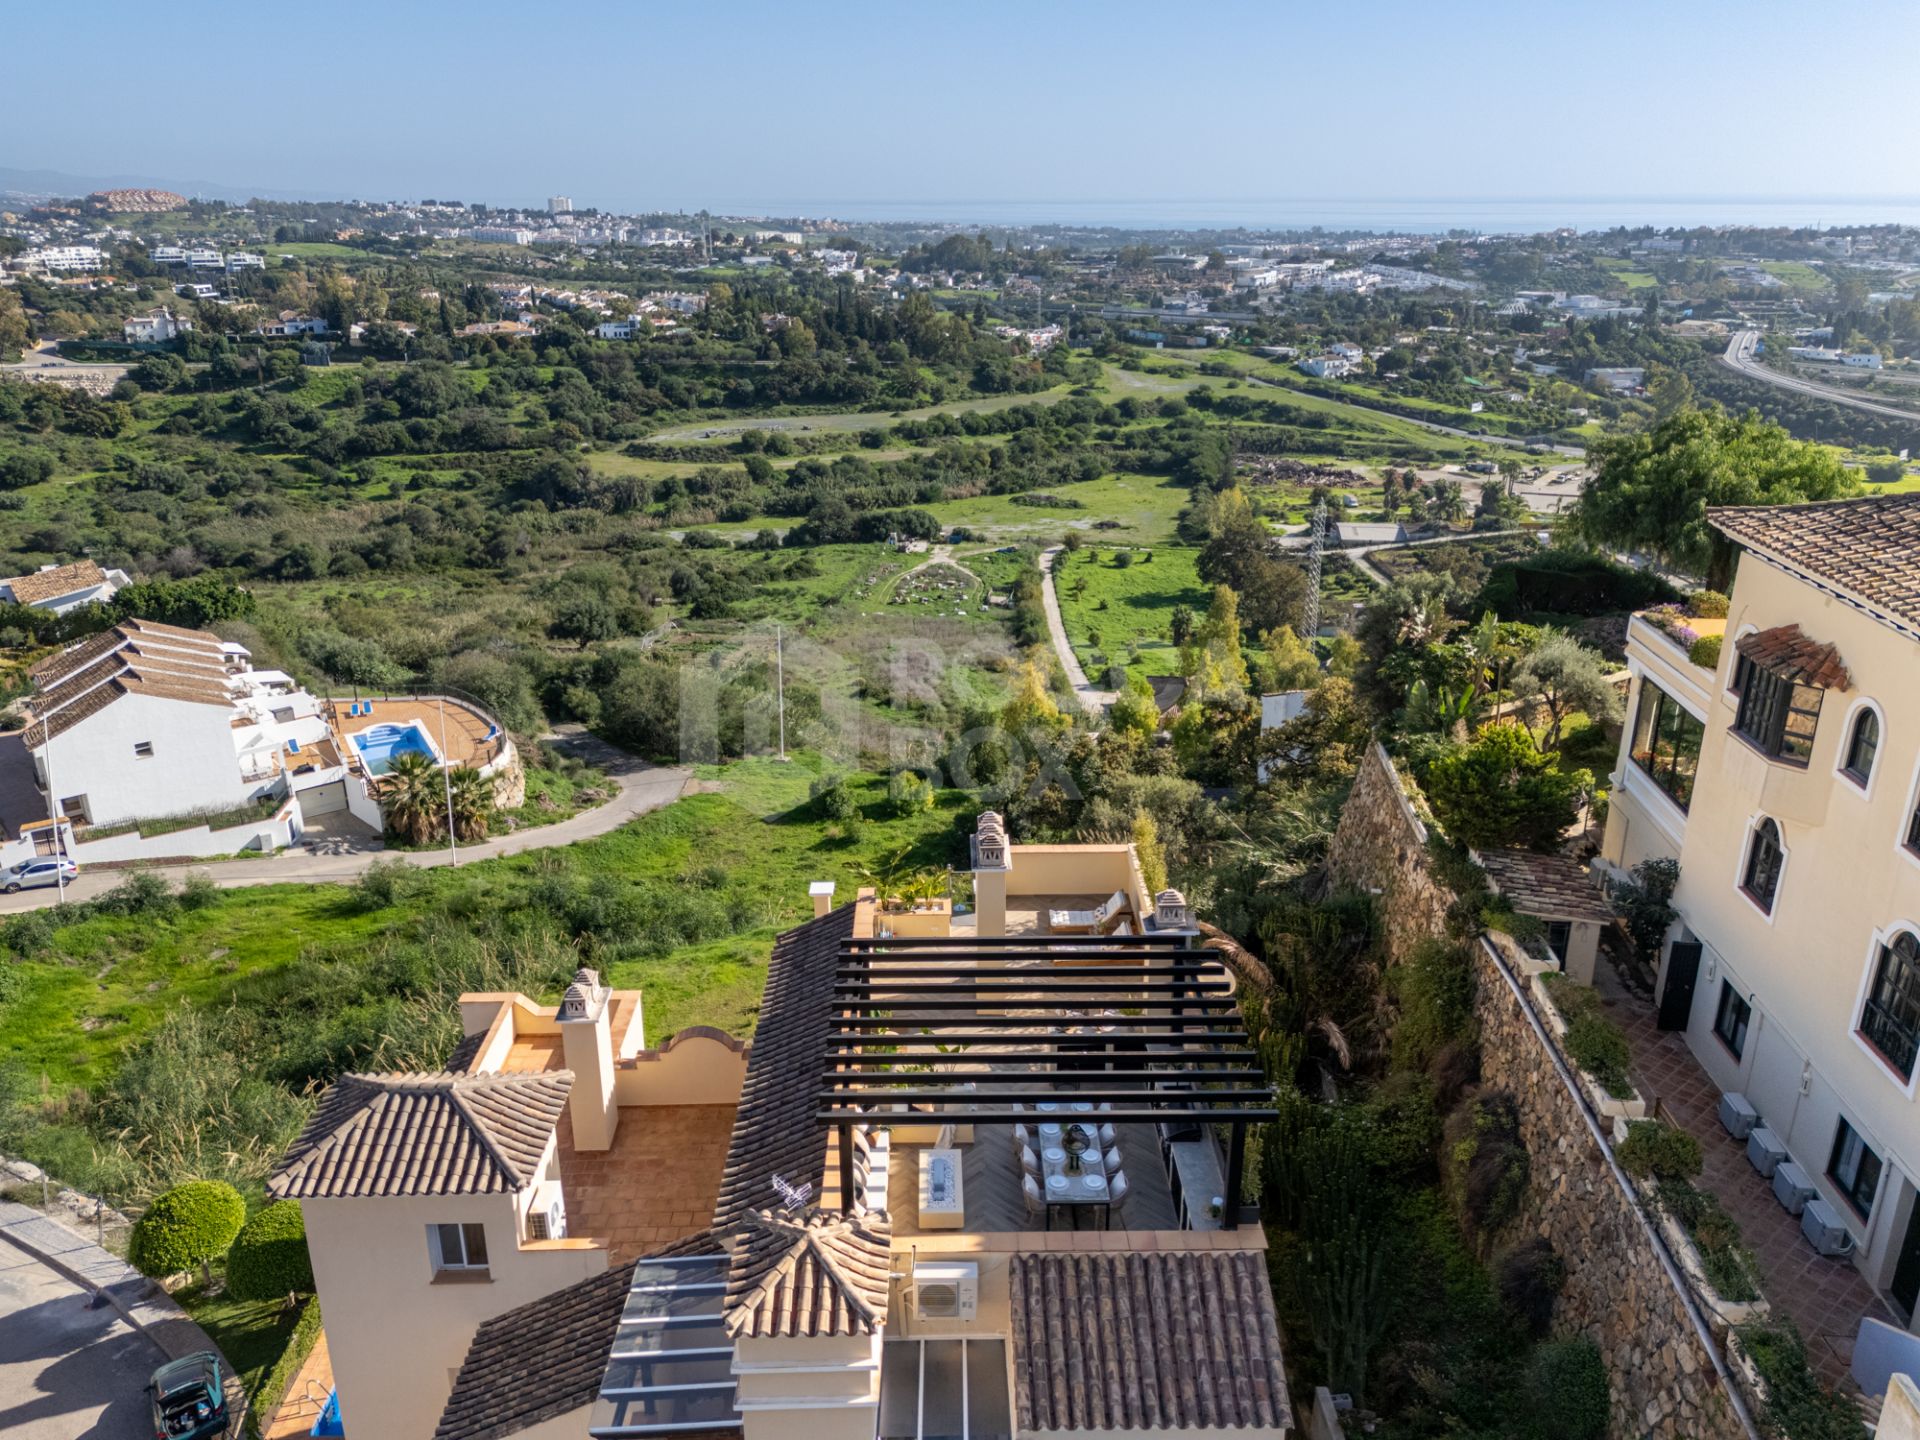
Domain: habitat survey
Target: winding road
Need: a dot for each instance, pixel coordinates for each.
(1092, 698)
(1740, 355)
(640, 788)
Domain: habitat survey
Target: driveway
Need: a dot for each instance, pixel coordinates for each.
(1092, 698)
(67, 1370)
(641, 787)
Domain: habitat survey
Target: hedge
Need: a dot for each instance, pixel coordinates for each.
(269, 1257)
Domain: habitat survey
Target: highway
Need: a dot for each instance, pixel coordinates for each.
(1740, 356)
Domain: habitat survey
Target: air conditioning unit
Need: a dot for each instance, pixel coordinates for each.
(1737, 1115)
(548, 1224)
(947, 1290)
(1791, 1187)
(1764, 1150)
(1823, 1229)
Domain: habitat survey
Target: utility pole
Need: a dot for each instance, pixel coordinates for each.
(1310, 626)
(446, 779)
(54, 811)
(780, 685)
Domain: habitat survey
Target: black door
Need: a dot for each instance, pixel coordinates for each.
(1676, 1000)
(1906, 1275)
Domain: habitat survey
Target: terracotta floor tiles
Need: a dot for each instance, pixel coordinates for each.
(658, 1182)
(1825, 1298)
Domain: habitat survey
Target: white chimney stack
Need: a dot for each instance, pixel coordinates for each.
(586, 1035)
(821, 893)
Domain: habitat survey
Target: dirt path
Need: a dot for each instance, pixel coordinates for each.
(1092, 697)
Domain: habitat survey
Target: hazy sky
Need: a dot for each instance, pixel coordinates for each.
(765, 105)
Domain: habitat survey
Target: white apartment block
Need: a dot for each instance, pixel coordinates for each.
(1786, 782)
(63, 259)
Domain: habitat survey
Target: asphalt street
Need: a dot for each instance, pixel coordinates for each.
(67, 1371)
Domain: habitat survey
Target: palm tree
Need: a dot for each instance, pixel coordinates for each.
(413, 799)
(472, 801)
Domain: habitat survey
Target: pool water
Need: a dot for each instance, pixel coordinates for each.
(378, 744)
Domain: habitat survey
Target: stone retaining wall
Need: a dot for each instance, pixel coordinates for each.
(1619, 1292)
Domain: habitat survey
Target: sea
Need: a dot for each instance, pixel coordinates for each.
(1418, 217)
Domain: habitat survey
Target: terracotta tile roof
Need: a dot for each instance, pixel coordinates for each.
(546, 1358)
(75, 683)
(83, 653)
(1869, 548)
(774, 1129)
(88, 692)
(821, 1274)
(1548, 887)
(201, 638)
(52, 584)
(435, 1133)
(1787, 651)
(1152, 1340)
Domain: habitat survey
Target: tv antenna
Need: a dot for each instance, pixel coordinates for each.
(1310, 624)
(792, 1197)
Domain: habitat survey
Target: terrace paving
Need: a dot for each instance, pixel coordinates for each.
(462, 734)
(657, 1183)
(1824, 1297)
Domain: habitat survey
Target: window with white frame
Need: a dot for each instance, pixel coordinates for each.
(1890, 1019)
(1855, 1168)
(458, 1247)
(1760, 878)
(1863, 744)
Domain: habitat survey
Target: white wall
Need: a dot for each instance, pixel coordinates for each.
(192, 767)
(196, 842)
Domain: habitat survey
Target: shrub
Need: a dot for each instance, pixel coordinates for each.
(1567, 1390)
(1705, 652)
(1645, 902)
(833, 798)
(1797, 1405)
(1487, 1167)
(1531, 1276)
(1500, 790)
(384, 883)
(1434, 988)
(189, 1225)
(269, 1257)
(1654, 1149)
(908, 793)
(141, 893)
(1595, 1043)
(198, 890)
(1716, 1235)
(1708, 604)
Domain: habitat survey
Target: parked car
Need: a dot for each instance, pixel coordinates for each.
(189, 1398)
(41, 870)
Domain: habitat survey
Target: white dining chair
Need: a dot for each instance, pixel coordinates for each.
(1029, 1162)
(1117, 1187)
(1112, 1161)
(1022, 1137)
(1109, 1137)
(1036, 1202)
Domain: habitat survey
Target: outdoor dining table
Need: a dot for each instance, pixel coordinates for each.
(1075, 1191)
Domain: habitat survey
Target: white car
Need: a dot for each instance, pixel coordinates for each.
(31, 874)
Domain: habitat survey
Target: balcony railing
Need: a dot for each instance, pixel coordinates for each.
(1892, 1036)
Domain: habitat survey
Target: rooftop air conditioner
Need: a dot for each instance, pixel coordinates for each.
(548, 1224)
(1764, 1150)
(1823, 1229)
(947, 1290)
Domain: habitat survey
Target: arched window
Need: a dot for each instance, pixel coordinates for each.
(1764, 856)
(1890, 1021)
(1862, 746)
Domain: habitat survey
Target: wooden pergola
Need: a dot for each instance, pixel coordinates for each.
(1145, 1025)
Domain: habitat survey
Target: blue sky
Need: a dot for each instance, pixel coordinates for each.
(771, 105)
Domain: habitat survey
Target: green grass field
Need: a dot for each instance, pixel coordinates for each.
(720, 431)
(1128, 608)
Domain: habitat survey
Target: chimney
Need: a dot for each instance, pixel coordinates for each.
(821, 893)
(1170, 911)
(992, 864)
(586, 1034)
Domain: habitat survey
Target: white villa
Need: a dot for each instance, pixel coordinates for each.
(148, 721)
(61, 588)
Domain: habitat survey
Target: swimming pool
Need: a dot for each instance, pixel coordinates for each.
(378, 744)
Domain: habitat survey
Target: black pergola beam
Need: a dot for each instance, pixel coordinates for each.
(883, 1029)
(1199, 1004)
(1001, 942)
(947, 1094)
(1033, 978)
(1054, 990)
(854, 1080)
(1048, 1062)
(1041, 1117)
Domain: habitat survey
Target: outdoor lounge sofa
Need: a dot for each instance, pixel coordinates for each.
(1087, 922)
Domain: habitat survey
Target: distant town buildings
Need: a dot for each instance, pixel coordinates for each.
(560, 205)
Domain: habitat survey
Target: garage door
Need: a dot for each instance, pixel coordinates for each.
(323, 800)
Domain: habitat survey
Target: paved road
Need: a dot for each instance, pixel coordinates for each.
(67, 1370)
(642, 787)
(1092, 697)
(1740, 356)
